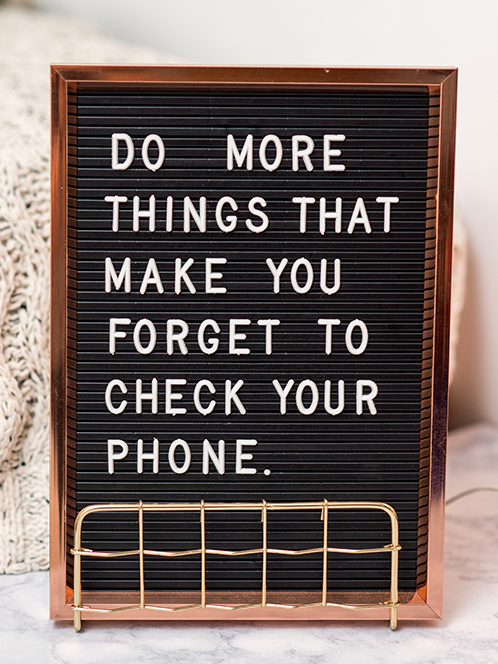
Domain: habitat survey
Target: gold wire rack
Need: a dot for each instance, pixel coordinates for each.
(264, 507)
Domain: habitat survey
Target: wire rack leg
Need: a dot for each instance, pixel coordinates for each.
(393, 618)
(77, 621)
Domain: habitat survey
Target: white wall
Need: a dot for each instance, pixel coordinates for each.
(365, 32)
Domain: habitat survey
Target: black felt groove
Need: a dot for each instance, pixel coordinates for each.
(311, 457)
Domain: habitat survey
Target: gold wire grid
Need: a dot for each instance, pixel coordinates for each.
(202, 507)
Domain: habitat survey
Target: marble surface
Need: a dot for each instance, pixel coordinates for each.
(468, 633)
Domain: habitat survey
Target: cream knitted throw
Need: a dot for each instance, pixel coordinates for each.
(29, 40)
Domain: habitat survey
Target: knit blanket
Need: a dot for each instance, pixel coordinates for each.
(29, 41)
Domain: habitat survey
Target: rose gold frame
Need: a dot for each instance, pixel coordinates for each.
(442, 85)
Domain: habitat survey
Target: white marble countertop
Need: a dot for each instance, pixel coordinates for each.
(468, 633)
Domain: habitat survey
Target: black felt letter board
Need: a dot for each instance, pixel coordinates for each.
(307, 453)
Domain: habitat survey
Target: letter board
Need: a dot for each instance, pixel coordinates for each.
(250, 303)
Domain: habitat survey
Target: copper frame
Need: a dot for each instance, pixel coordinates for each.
(426, 603)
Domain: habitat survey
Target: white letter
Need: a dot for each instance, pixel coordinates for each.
(262, 152)
(283, 393)
(304, 152)
(387, 200)
(349, 337)
(199, 217)
(276, 272)
(268, 323)
(231, 218)
(209, 453)
(231, 395)
(154, 456)
(328, 322)
(115, 200)
(146, 396)
(323, 276)
(108, 397)
(151, 276)
(237, 336)
(214, 343)
(314, 397)
(309, 277)
(369, 398)
(232, 151)
(114, 334)
(172, 336)
(145, 152)
(359, 216)
(214, 275)
(179, 470)
(181, 273)
(112, 456)
(116, 166)
(340, 398)
(259, 213)
(152, 336)
(240, 456)
(171, 396)
(328, 152)
(303, 201)
(124, 275)
(150, 213)
(169, 214)
(197, 397)
(337, 215)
